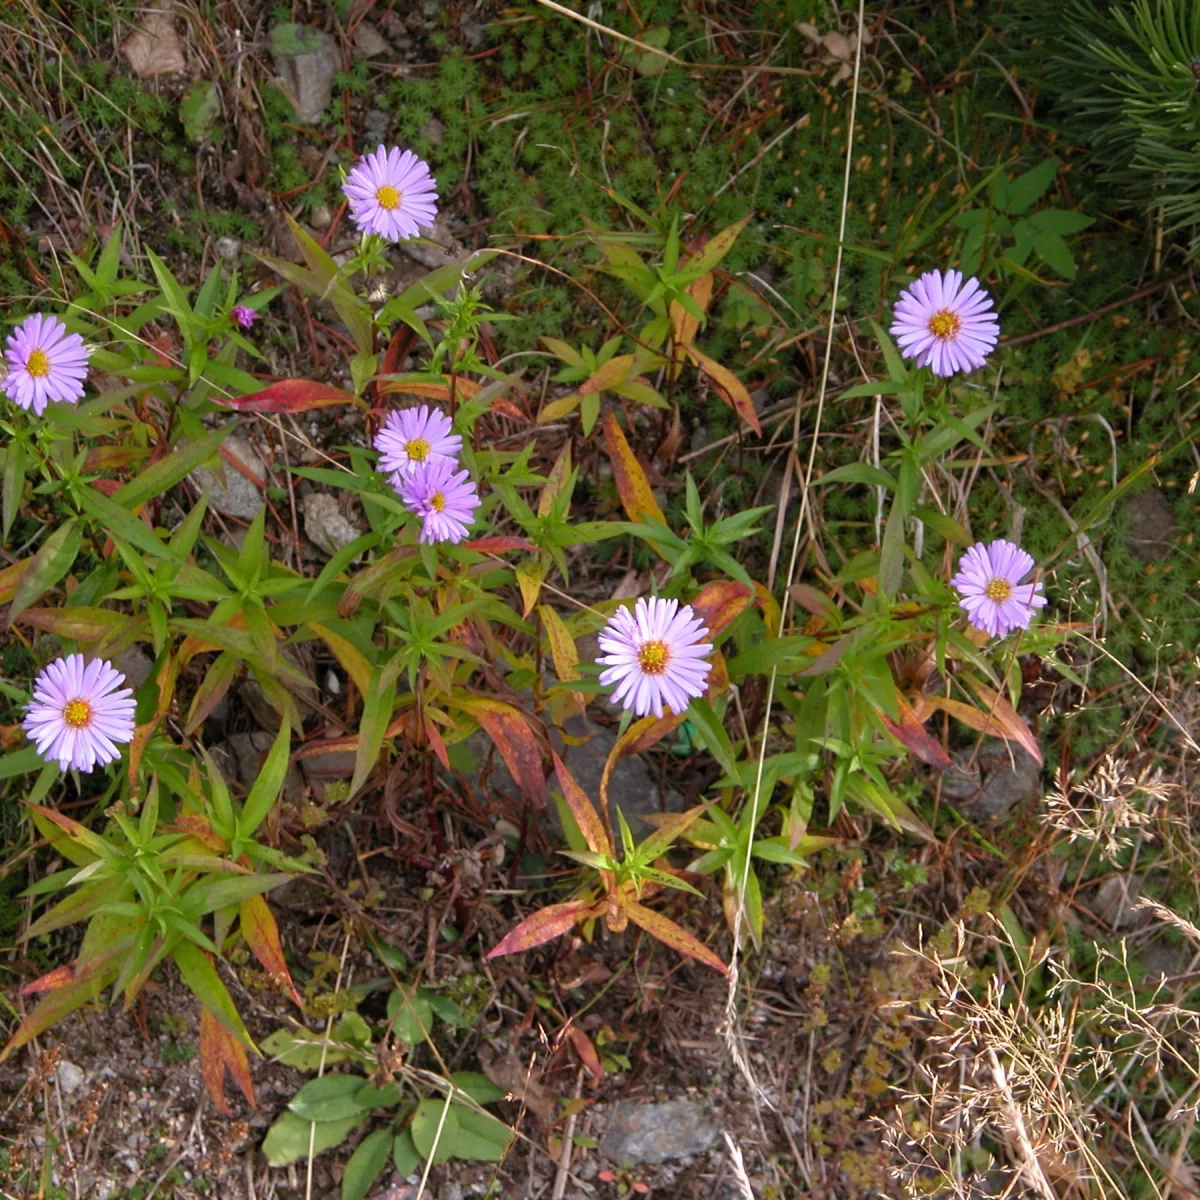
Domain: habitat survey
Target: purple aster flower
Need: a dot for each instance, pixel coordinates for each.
(244, 315)
(391, 193)
(444, 499)
(945, 323)
(79, 712)
(411, 436)
(45, 363)
(993, 596)
(655, 655)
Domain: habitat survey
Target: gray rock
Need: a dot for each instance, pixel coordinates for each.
(631, 787)
(990, 781)
(438, 248)
(70, 1077)
(245, 753)
(325, 525)
(474, 34)
(1115, 900)
(1152, 525)
(655, 1133)
(375, 126)
(434, 131)
(325, 767)
(249, 753)
(368, 41)
(229, 491)
(135, 664)
(227, 248)
(308, 78)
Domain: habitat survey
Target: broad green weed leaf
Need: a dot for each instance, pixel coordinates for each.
(291, 1137)
(434, 1130)
(368, 1159)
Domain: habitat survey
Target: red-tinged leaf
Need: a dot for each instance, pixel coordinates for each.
(769, 607)
(639, 737)
(291, 396)
(586, 1051)
(670, 934)
(10, 576)
(999, 709)
(514, 739)
(731, 389)
(506, 408)
(684, 326)
(79, 624)
(464, 389)
(718, 677)
(219, 1049)
(546, 924)
(197, 826)
(815, 603)
(262, 936)
(107, 487)
(79, 834)
(498, 544)
(717, 246)
(397, 351)
(113, 458)
(321, 746)
(62, 1001)
(608, 374)
(632, 485)
(60, 977)
(643, 734)
(590, 823)
(720, 603)
(910, 732)
(437, 742)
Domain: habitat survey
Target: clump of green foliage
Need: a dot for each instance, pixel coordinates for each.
(1126, 76)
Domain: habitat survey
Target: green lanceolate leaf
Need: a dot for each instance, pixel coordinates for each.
(155, 480)
(205, 984)
(268, 785)
(365, 1163)
(53, 560)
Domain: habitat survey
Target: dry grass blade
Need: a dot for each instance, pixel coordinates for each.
(325, 1044)
(730, 1027)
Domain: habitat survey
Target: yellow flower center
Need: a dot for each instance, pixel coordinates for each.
(77, 713)
(437, 502)
(944, 325)
(388, 197)
(998, 589)
(653, 657)
(38, 364)
(417, 449)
